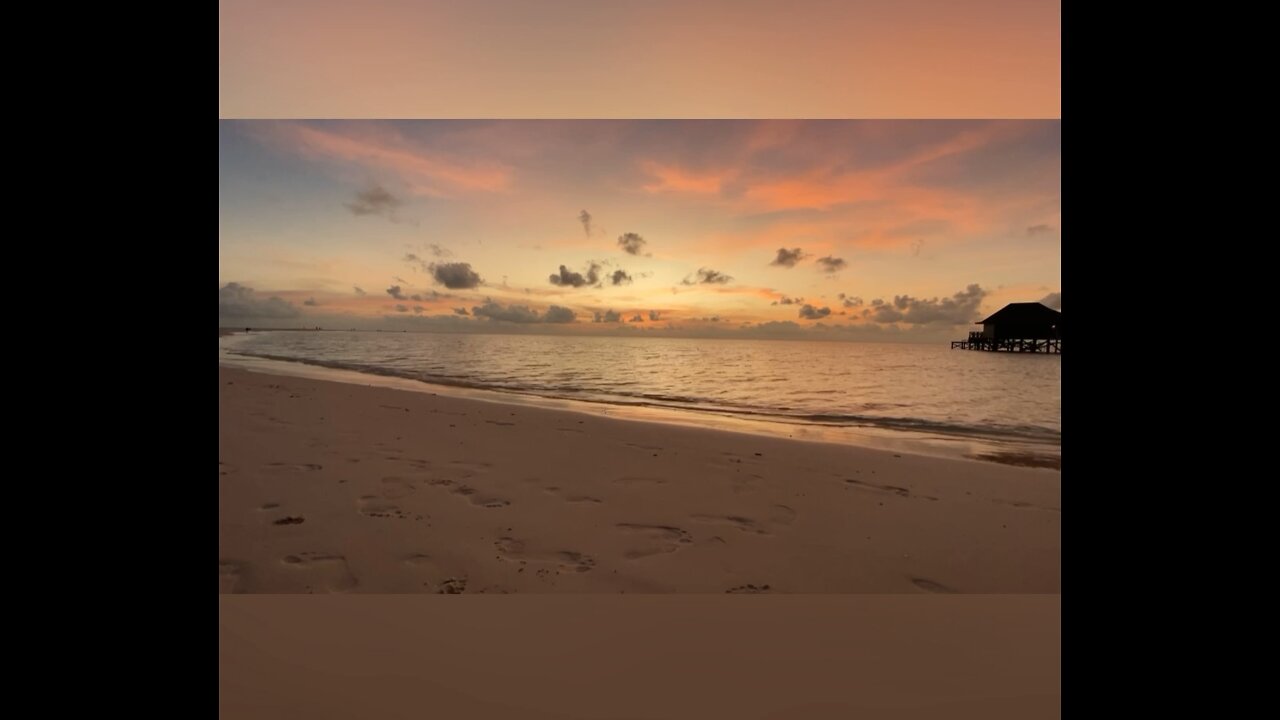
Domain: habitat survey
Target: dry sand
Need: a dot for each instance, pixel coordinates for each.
(641, 657)
(332, 487)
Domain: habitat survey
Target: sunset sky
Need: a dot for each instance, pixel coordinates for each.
(640, 58)
(861, 229)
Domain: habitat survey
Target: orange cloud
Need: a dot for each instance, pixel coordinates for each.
(670, 178)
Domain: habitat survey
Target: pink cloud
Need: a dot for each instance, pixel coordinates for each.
(425, 173)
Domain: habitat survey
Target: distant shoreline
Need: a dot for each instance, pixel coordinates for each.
(225, 331)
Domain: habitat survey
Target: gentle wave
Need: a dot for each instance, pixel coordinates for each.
(616, 395)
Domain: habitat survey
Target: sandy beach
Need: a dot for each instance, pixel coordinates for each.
(329, 487)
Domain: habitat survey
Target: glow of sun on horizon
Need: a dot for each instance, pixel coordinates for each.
(877, 229)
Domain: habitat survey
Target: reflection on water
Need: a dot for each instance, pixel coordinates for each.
(917, 397)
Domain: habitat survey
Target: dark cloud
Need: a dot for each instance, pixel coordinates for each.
(608, 316)
(399, 279)
(310, 302)
(510, 313)
(631, 243)
(394, 291)
(788, 258)
(832, 264)
(1039, 229)
(417, 309)
(358, 290)
(959, 309)
(557, 314)
(522, 314)
(236, 300)
(788, 301)
(636, 318)
(850, 301)
(584, 217)
(566, 278)
(654, 315)
(377, 200)
(437, 251)
(461, 311)
(785, 326)
(1053, 300)
(401, 308)
(620, 277)
(706, 276)
(455, 275)
(416, 297)
(809, 312)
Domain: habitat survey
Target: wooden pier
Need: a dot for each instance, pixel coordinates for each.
(1019, 328)
(977, 341)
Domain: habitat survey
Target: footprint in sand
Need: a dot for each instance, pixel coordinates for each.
(436, 578)
(748, 588)
(733, 461)
(628, 480)
(474, 467)
(231, 576)
(656, 539)
(452, 586)
(454, 472)
(477, 498)
(394, 488)
(894, 489)
(325, 570)
(515, 550)
(744, 524)
(578, 499)
(378, 506)
(931, 586)
(1020, 504)
(300, 467)
(781, 515)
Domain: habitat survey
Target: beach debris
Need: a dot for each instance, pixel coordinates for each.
(290, 520)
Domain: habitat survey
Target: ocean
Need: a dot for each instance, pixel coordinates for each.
(921, 398)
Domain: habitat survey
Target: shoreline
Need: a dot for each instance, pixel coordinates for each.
(933, 444)
(342, 487)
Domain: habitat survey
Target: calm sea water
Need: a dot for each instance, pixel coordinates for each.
(989, 401)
